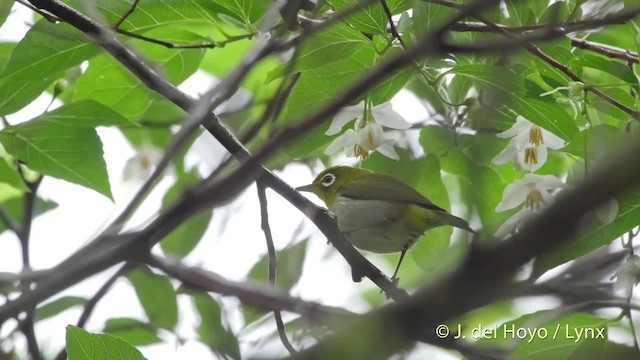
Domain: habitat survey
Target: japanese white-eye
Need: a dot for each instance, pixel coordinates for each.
(377, 212)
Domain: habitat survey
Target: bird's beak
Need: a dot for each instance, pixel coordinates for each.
(308, 188)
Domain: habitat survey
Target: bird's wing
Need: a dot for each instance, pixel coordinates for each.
(385, 188)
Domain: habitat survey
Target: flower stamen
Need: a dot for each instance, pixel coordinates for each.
(534, 200)
(535, 136)
(360, 152)
(530, 155)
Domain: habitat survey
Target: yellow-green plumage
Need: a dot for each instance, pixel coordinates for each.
(377, 212)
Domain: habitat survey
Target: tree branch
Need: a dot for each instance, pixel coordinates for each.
(257, 295)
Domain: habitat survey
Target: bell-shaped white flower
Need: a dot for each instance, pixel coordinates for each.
(532, 190)
(628, 275)
(367, 134)
(382, 114)
(528, 145)
(139, 166)
(360, 142)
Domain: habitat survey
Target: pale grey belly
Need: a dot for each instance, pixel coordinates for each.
(373, 225)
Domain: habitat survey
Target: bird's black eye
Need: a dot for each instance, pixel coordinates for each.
(328, 180)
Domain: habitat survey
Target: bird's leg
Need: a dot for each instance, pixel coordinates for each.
(394, 279)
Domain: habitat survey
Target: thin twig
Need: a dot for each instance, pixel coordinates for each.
(211, 45)
(24, 235)
(273, 263)
(392, 25)
(129, 11)
(50, 18)
(607, 50)
(258, 295)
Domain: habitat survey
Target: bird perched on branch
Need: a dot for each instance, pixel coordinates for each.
(377, 212)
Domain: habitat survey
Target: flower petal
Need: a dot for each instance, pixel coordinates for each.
(521, 125)
(552, 141)
(384, 114)
(387, 150)
(513, 195)
(345, 115)
(506, 155)
(345, 140)
(370, 136)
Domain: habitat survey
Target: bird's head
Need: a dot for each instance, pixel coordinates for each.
(327, 184)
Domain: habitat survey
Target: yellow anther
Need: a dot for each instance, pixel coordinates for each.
(530, 155)
(535, 136)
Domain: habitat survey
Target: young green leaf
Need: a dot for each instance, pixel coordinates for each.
(157, 297)
(82, 345)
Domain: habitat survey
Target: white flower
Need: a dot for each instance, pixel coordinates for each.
(628, 275)
(533, 191)
(528, 145)
(607, 212)
(139, 166)
(367, 134)
(360, 142)
(382, 114)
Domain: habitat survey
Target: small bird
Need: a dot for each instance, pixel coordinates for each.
(377, 212)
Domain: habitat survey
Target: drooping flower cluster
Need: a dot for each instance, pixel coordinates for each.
(528, 145)
(528, 150)
(367, 134)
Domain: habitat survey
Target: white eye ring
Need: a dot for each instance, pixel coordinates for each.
(328, 180)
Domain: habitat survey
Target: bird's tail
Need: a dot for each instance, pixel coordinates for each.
(457, 222)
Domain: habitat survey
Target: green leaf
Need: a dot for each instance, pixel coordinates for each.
(599, 349)
(40, 58)
(57, 306)
(290, 261)
(596, 236)
(371, 19)
(182, 240)
(547, 115)
(82, 345)
(5, 54)
(427, 16)
(11, 183)
(211, 329)
(437, 140)
(15, 208)
(150, 14)
(289, 270)
(132, 331)
(558, 11)
(5, 10)
(596, 142)
(157, 297)
(110, 83)
(64, 144)
(610, 67)
(554, 340)
(481, 186)
(519, 12)
(250, 11)
(337, 42)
